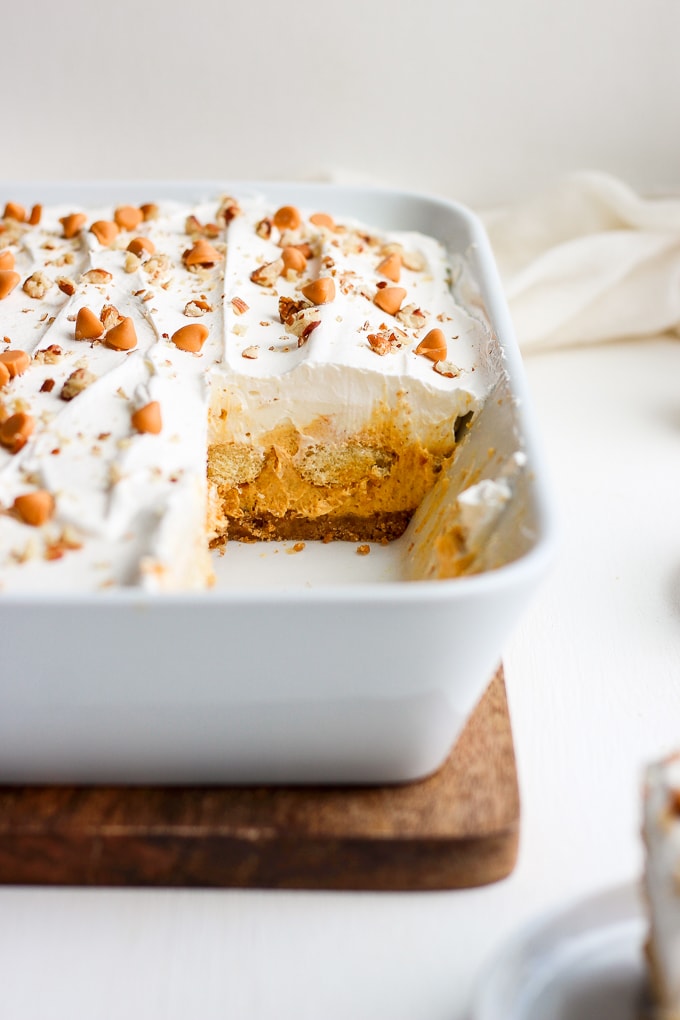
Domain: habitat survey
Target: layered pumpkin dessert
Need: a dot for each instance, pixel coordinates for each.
(176, 376)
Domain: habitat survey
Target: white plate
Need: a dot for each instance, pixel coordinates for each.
(584, 963)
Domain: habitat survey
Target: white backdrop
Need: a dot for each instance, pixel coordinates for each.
(482, 100)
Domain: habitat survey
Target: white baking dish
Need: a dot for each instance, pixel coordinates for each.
(320, 667)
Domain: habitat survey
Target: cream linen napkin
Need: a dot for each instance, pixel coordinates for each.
(587, 261)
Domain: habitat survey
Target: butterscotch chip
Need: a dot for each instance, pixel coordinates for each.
(321, 219)
(202, 254)
(320, 291)
(16, 430)
(293, 259)
(8, 281)
(16, 362)
(148, 418)
(4, 375)
(14, 211)
(73, 224)
(149, 210)
(139, 245)
(122, 337)
(190, 338)
(37, 285)
(88, 325)
(78, 381)
(390, 267)
(433, 346)
(34, 508)
(287, 218)
(389, 299)
(36, 215)
(128, 217)
(6, 259)
(106, 231)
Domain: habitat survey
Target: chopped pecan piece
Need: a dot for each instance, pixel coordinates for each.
(49, 355)
(37, 285)
(302, 323)
(196, 308)
(288, 307)
(228, 210)
(157, 266)
(382, 342)
(264, 228)
(98, 276)
(447, 369)
(307, 332)
(66, 285)
(110, 317)
(412, 317)
(78, 381)
(268, 274)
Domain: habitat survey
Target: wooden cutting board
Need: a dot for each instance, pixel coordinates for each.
(455, 829)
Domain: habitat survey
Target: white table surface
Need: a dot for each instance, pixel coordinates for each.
(593, 677)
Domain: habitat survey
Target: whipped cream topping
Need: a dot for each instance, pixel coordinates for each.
(661, 831)
(130, 507)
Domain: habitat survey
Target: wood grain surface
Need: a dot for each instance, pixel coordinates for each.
(454, 829)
